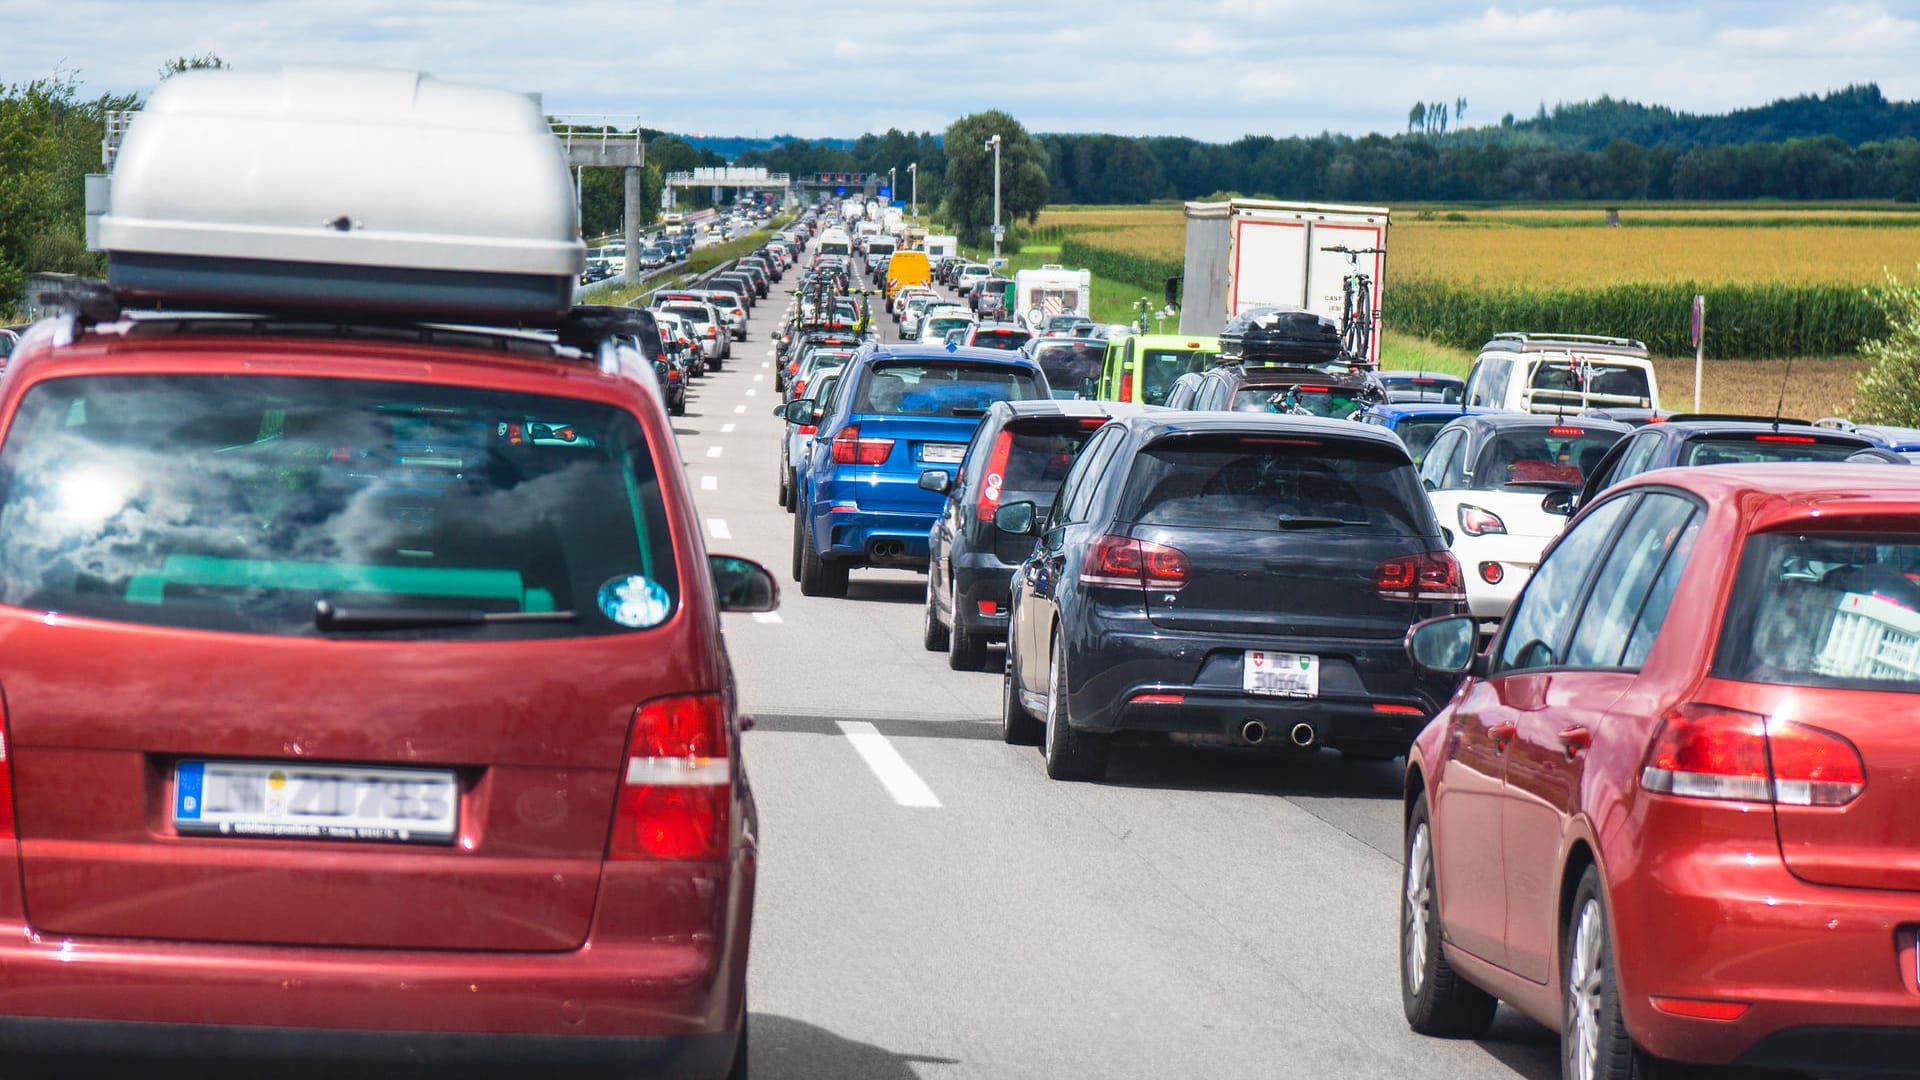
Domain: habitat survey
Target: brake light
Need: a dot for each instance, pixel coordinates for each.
(800, 388)
(1707, 752)
(1397, 710)
(808, 429)
(1784, 438)
(995, 475)
(1126, 387)
(1700, 1008)
(1566, 431)
(676, 797)
(1477, 522)
(1427, 576)
(1159, 699)
(710, 330)
(850, 449)
(1314, 389)
(1127, 563)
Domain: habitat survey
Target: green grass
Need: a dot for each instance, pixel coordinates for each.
(701, 261)
(1402, 352)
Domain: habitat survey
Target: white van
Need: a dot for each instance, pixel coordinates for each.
(1562, 373)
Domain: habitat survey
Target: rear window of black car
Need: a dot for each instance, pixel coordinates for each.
(1276, 483)
(1072, 367)
(1317, 399)
(1039, 453)
(1773, 446)
(942, 388)
(236, 503)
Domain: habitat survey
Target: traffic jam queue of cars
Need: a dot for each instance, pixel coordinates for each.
(1656, 717)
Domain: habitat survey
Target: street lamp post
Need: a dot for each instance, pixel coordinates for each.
(913, 176)
(993, 144)
(890, 183)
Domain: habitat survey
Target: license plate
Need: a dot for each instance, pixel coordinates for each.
(321, 802)
(1281, 674)
(943, 453)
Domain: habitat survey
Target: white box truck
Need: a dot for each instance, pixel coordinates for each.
(941, 245)
(1249, 253)
(1039, 295)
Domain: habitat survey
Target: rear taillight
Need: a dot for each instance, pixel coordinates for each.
(1127, 563)
(676, 794)
(808, 429)
(1427, 576)
(1477, 522)
(1126, 387)
(850, 449)
(1707, 752)
(996, 473)
(800, 388)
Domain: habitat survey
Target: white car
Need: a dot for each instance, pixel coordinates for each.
(1491, 478)
(1562, 373)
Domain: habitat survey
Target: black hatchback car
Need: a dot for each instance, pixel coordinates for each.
(1021, 451)
(1226, 578)
(1685, 441)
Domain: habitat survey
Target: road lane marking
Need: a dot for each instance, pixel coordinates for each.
(709, 483)
(717, 528)
(894, 773)
(740, 410)
(726, 429)
(751, 391)
(759, 376)
(766, 616)
(714, 451)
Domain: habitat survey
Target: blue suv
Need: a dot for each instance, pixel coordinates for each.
(902, 409)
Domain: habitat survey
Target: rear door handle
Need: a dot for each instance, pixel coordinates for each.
(1503, 733)
(1576, 739)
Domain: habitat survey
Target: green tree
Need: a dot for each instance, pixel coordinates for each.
(1023, 174)
(203, 62)
(1889, 390)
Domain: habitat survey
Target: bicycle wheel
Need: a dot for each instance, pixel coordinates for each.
(1360, 328)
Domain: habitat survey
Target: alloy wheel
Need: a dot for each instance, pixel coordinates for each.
(1585, 987)
(1419, 900)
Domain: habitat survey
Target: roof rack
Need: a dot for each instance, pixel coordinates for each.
(1738, 418)
(1524, 341)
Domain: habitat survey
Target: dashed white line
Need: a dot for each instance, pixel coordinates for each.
(767, 364)
(766, 617)
(709, 483)
(895, 774)
(726, 429)
(717, 528)
(751, 391)
(739, 410)
(759, 376)
(714, 451)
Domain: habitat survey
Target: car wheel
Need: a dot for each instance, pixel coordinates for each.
(783, 492)
(793, 491)
(678, 408)
(1594, 1043)
(967, 652)
(819, 576)
(1017, 725)
(1070, 754)
(932, 634)
(1436, 999)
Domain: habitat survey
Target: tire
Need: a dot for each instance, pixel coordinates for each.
(1017, 726)
(967, 651)
(793, 491)
(932, 634)
(678, 408)
(1594, 1043)
(783, 492)
(1436, 999)
(1070, 754)
(818, 576)
(799, 537)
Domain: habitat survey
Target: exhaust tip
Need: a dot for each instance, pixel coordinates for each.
(1302, 734)
(1254, 732)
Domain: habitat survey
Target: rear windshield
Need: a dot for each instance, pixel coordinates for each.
(1161, 368)
(1751, 448)
(1418, 435)
(1041, 453)
(1272, 484)
(935, 388)
(697, 313)
(1562, 380)
(236, 503)
(1423, 388)
(1820, 609)
(833, 247)
(1001, 339)
(1552, 456)
(1339, 402)
(1072, 367)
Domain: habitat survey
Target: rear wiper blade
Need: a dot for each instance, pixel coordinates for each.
(1319, 523)
(328, 617)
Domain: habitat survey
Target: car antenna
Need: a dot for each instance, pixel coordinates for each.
(1782, 403)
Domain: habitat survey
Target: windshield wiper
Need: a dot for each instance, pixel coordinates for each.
(328, 617)
(1304, 522)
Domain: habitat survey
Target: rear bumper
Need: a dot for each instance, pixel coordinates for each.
(1514, 556)
(981, 577)
(865, 537)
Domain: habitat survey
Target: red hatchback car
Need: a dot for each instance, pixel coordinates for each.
(1671, 810)
(364, 697)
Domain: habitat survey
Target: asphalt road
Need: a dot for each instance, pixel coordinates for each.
(931, 905)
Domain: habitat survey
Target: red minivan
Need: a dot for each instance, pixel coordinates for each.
(364, 697)
(1671, 811)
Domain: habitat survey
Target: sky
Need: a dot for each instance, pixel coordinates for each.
(1210, 69)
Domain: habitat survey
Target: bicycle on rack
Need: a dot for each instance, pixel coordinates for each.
(1356, 305)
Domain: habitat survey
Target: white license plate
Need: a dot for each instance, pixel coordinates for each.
(1281, 674)
(943, 453)
(321, 802)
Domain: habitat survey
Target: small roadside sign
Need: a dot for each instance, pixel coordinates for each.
(1699, 320)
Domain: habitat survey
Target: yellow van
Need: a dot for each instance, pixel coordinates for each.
(907, 268)
(1142, 368)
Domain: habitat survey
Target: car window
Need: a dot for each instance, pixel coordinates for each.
(1041, 453)
(1825, 609)
(1269, 485)
(1071, 366)
(1567, 378)
(237, 503)
(1076, 493)
(1338, 402)
(1161, 368)
(1487, 383)
(941, 388)
(1418, 432)
(1770, 447)
(1433, 467)
(1538, 623)
(1661, 530)
(1636, 460)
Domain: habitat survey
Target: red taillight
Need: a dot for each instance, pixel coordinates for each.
(1477, 522)
(710, 331)
(1707, 752)
(800, 388)
(1398, 710)
(1492, 573)
(1126, 387)
(1700, 1008)
(676, 794)
(1427, 576)
(1784, 438)
(808, 429)
(1572, 431)
(850, 449)
(1134, 564)
(989, 607)
(995, 474)
(1159, 699)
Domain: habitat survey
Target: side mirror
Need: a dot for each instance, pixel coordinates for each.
(1444, 646)
(1016, 518)
(936, 480)
(742, 584)
(799, 411)
(1560, 503)
(780, 411)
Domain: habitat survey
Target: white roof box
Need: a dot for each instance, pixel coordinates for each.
(350, 190)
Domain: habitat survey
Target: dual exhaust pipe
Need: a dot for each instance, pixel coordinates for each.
(886, 549)
(1302, 735)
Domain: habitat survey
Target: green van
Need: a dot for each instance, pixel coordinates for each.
(1142, 368)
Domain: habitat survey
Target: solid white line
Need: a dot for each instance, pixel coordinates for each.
(726, 429)
(739, 409)
(709, 483)
(717, 528)
(766, 616)
(895, 774)
(714, 451)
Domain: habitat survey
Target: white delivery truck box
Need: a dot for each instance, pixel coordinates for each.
(1039, 295)
(1249, 253)
(357, 191)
